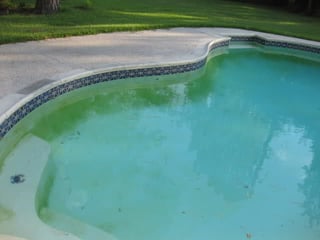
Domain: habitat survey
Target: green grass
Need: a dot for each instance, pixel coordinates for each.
(78, 18)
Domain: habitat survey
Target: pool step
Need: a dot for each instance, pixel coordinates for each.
(19, 181)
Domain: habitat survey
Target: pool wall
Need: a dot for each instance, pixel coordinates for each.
(49, 92)
(278, 44)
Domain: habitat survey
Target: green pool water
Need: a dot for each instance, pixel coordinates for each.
(233, 154)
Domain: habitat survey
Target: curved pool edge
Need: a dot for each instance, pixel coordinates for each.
(18, 205)
(20, 177)
(53, 89)
(22, 104)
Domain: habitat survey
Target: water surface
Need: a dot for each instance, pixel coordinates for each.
(234, 154)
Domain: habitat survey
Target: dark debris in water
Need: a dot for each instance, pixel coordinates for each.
(18, 178)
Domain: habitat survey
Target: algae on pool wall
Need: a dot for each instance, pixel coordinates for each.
(5, 214)
(44, 188)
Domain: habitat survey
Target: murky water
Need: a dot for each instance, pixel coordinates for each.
(232, 155)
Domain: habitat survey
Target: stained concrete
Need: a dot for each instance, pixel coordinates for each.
(24, 66)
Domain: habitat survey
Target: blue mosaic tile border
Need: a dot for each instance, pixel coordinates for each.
(218, 45)
(54, 92)
(281, 44)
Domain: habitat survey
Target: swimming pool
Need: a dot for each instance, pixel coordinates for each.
(228, 151)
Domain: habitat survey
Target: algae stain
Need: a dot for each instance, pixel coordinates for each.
(5, 214)
(63, 222)
(44, 188)
(1, 163)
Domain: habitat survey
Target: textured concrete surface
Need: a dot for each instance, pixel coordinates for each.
(26, 66)
(23, 64)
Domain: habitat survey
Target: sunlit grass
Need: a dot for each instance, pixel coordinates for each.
(128, 15)
(160, 15)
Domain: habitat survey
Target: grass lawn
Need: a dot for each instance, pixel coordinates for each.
(129, 15)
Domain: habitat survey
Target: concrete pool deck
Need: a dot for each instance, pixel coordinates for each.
(25, 67)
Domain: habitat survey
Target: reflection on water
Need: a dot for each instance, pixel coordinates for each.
(310, 187)
(230, 155)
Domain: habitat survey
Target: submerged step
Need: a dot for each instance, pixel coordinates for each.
(19, 181)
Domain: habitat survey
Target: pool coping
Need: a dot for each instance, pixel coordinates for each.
(23, 102)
